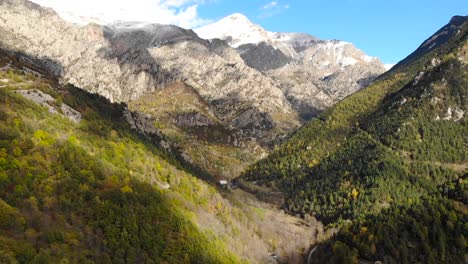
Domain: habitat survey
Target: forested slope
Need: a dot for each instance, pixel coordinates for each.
(93, 191)
(80, 184)
(387, 164)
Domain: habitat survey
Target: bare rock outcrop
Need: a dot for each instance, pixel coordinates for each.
(125, 61)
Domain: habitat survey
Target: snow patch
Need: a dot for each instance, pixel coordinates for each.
(388, 66)
(367, 58)
(236, 28)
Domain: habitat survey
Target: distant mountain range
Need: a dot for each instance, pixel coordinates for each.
(312, 73)
(243, 91)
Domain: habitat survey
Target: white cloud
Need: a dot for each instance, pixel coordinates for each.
(183, 13)
(272, 8)
(270, 5)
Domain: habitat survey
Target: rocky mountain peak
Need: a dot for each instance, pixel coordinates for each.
(278, 49)
(312, 73)
(238, 17)
(236, 29)
(299, 41)
(252, 86)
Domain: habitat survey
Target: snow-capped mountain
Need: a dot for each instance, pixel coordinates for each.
(313, 74)
(332, 54)
(236, 29)
(299, 41)
(276, 74)
(245, 94)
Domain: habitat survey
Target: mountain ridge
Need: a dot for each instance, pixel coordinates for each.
(108, 183)
(385, 163)
(322, 71)
(128, 61)
(440, 37)
(123, 142)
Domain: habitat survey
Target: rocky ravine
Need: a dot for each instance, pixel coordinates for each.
(313, 74)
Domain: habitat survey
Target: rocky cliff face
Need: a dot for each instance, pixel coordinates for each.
(323, 73)
(225, 100)
(125, 61)
(218, 97)
(313, 74)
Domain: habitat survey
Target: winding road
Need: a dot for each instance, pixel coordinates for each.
(310, 253)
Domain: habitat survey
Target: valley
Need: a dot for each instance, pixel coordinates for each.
(101, 166)
(252, 108)
(138, 142)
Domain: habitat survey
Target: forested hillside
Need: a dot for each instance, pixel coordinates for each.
(79, 185)
(380, 176)
(82, 193)
(387, 165)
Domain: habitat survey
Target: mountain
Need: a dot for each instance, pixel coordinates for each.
(322, 72)
(119, 142)
(229, 113)
(129, 62)
(386, 165)
(78, 184)
(439, 38)
(299, 41)
(237, 30)
(126, 57)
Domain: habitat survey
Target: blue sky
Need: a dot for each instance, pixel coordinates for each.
(388, 29)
